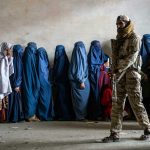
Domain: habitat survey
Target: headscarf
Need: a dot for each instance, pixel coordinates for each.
(32, 44)
(3, 47)
(15, 110)
(124, 33)
(95, 60)
(61, 64)
(45, 103)
(95, 55)
(145, 49)
(106, 58)
(18, 67)
(78, 71)
(31, 84)
(6, 70)
(62, 102)
(145, 53)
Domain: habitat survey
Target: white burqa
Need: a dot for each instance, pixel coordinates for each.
(6, 69)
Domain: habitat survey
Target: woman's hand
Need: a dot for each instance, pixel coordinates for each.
(17, 89)
(82, 85)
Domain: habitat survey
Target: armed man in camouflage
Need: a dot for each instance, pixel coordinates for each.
(127, 61)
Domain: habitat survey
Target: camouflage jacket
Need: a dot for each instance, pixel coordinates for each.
(125, 54)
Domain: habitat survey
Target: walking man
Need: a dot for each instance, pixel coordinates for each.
(126, 60)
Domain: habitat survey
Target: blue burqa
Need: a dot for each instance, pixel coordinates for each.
(45, 103)
(145, 53)
(15, 109)
(63, 104)
(95, 60)
(31, 83)
(78, 73)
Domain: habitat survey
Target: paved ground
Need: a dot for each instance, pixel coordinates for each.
(68, 136)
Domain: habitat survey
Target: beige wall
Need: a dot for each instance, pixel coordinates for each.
(52, 22)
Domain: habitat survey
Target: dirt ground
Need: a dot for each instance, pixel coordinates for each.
(67, 135)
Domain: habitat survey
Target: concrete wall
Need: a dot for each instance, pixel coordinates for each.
(52, 22)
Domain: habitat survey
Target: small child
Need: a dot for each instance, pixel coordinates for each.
(106, 93)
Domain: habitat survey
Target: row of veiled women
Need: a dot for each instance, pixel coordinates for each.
(68, 91)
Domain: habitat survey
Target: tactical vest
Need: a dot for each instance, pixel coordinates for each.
(122, 50)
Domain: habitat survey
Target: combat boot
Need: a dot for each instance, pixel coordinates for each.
(146, 134)
(114, 137)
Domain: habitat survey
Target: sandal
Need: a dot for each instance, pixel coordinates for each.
(33, 119)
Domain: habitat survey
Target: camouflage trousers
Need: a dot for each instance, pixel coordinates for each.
(129, 85)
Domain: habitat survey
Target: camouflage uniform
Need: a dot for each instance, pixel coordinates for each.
(125, 57)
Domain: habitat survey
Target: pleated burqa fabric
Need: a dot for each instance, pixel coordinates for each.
(45, 103)
(31, 83)
(95, 60)
(15, 108)
(78, 73)
(63, 103)
(145, 50)
(145, 53)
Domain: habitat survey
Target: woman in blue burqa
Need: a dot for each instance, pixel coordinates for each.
(31, 83)
(78, 75)
(95, 60)
(62, 103)
(145, 53)
(15, 108)
(45, 104)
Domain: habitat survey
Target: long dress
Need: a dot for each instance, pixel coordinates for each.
(62, 104)
(15, 109)
(145, 53)
(95, 60)
(78, 73)
(45, 104)
(6, 70)
(31, 83)
(106, 92)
